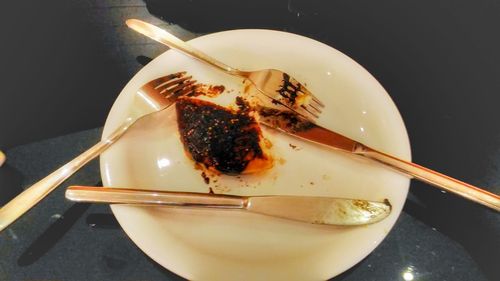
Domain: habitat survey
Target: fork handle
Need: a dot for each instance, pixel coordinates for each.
(173, 42)
(11, 211)
(432, 177)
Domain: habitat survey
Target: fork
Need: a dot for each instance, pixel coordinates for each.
(152, 97)
(273, 83)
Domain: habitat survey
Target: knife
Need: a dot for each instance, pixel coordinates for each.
(298, 126)
(315, 210)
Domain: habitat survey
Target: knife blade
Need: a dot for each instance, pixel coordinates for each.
(314, 210)
(296, 125)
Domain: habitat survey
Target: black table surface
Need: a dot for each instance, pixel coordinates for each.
(438, 60)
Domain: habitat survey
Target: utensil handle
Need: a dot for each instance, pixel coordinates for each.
(2, 158)
(173, 42)
(32, 195)
(148, 197)
(432, 177)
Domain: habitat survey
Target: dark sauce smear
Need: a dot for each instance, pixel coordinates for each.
(280, 118)
(217, 137)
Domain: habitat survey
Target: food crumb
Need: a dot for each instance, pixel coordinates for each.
(386, 201)
(282, 161)
(267, 143)
(208, 90)
(294, 147)
(205, 177)
(215, 90)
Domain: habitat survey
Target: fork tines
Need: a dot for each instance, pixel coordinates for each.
(174, 85)
(292, 91)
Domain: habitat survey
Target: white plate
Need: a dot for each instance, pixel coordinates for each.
(231, 245)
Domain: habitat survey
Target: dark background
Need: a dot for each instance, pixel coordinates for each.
(64, 62)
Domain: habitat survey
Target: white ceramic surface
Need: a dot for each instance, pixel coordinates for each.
(231, 245)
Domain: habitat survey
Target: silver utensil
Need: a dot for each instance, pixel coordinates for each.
(152, 97)
(291, 123)
(2, 158)
(272, 82)
(315, 210)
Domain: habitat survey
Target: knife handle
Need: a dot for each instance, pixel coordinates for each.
(152, 197)
(432, 177)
